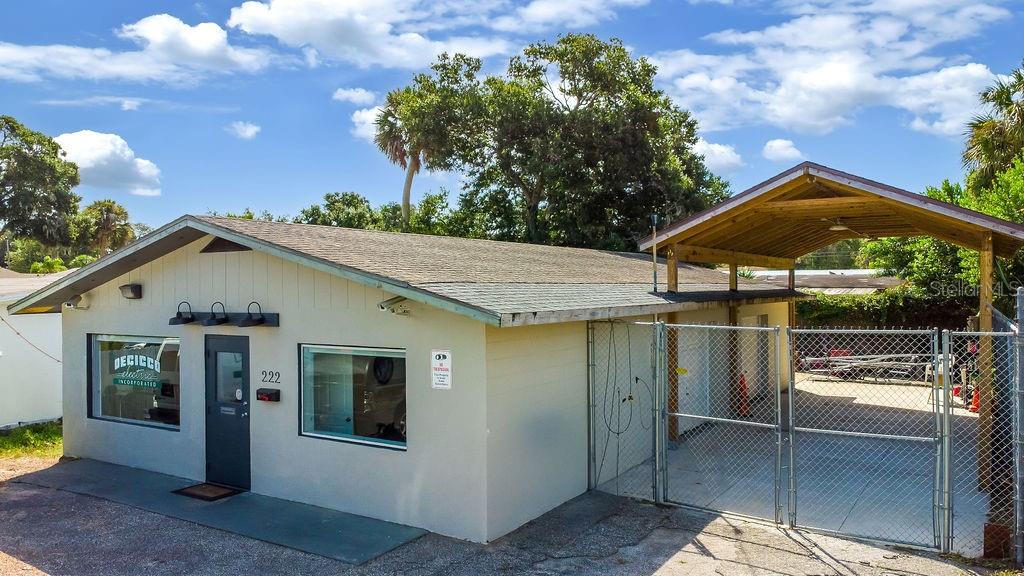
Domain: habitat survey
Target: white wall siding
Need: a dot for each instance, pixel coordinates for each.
(29, 378)
(438, 483)
(536, 421)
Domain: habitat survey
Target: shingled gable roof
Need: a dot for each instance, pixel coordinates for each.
(500, 283)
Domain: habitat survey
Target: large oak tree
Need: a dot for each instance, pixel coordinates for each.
(572, 145)
(36, 182)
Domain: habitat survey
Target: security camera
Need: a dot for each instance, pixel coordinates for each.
(77, 303)
(394, 305)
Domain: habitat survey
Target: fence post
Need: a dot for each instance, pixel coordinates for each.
(1018, 505)
(790, 422)
(658, 411)
(940, 434)
(778, 425)
(947, 451)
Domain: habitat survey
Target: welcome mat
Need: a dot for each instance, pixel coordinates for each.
(207, 492)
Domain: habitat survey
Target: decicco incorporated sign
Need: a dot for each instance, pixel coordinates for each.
(137, 370)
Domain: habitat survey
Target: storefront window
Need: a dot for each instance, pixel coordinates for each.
(136, 378)
(354, 394)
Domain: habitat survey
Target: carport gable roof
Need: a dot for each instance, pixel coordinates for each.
(790, 215)
(499, 283)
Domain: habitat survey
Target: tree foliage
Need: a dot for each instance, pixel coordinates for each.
(48, 265)
(427, 123)
(432, 215)
(572, 145)
(36, 182)
(995, 138)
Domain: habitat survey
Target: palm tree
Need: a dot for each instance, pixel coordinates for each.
(994, 139)
(394, 139)
(109, 221)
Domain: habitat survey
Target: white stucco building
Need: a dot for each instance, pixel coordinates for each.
(430, 381)
(30, 350)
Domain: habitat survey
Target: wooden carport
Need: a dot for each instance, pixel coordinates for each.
(811, 206)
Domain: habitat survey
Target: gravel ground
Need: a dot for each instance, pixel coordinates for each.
(45, 531)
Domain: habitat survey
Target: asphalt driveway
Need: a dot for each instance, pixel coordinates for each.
(51, 531)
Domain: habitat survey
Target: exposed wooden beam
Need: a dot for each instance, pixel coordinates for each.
(985, 385)
(672, 266)
(734, 278)
(931, 226)
(687, 253)
(838, 207)
(792, 304)
(986, 273)
(741, 203)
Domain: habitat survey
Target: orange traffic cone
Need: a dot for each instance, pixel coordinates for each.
(975, 401)
(744, 399)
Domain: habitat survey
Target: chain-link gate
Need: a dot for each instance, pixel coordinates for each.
(910, 436)
(865, 433)
(980, 422)
(723, 438)
(623, 413)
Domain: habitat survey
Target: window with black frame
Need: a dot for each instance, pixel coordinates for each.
(355, 394)
(136, 379)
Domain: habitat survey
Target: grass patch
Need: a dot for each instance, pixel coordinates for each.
(41, 440)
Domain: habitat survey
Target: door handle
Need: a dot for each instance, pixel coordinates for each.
(245, 414)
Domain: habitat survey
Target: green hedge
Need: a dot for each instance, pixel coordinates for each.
(904, 307)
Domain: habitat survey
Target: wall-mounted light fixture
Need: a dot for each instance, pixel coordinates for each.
(214, 319)
(131, 291)
(251, 319)
(182, 317)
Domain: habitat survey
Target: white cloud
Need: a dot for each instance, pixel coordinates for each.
(829, 59)
(370, 32)
(170, 52)
(719, 157)
(780, 150)
(364, 123)
(132, 103)
(358, 96)
(546, 14)
(105, 161)
(243, 130)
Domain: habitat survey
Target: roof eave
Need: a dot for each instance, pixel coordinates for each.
(512, 319)
(398, 288)
(23, 305)
(395, 287)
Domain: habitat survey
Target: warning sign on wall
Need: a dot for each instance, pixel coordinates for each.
(441, 369)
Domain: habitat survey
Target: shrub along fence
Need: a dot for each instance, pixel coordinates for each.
(894, 307)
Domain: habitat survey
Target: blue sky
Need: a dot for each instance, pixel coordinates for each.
(174, 107)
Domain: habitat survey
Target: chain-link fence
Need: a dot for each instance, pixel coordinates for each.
(865, 433)
(909, 436)
(722, 429)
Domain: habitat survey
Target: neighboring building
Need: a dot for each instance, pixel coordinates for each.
(30, 351)
(852, 281)
(432, 381)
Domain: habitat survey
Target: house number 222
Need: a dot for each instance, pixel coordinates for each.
(271, 376)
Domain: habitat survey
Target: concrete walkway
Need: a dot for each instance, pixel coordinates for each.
(338, 535)
(52, 531)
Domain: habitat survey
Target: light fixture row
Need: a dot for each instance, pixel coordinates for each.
(215, 318)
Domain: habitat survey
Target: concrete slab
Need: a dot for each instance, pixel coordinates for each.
(47, 531)
(866, 487)
(346, 537)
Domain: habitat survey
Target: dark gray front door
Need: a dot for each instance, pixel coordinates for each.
(227, 410)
